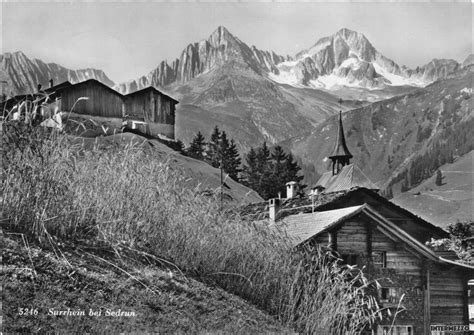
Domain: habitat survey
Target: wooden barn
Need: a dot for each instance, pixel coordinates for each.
(101, 100)
(147, 111)
(43, 99)
(154, 108)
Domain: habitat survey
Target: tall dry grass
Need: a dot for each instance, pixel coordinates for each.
(125, 197)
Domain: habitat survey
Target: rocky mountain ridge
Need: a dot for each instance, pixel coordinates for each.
(201, 57)
(345, 59)
(21, 74)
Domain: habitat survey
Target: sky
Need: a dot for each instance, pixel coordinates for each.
(128, 40)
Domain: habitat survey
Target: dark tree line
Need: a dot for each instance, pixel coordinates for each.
(267, 171)
(218, 152)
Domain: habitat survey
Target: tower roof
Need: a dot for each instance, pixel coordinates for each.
(340, 149)
(348, 178)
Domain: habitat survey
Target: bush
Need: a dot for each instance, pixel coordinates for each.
(126, 198)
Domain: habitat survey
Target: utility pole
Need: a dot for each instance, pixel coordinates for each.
(4, 97)
(221, 180)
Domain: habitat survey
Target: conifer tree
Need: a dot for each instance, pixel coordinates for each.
(263, 158)
(267, 173)
(197, 147)
(439, 178)
(292, 168)
(264, 171)
(223, 147)
(212, 152)
(180, 146)
(232, 161)
(250, 175)
(278, 170)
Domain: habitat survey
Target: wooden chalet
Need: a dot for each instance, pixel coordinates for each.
(389, 244)
(347, 215)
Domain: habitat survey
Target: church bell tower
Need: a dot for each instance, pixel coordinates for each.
(341, 155)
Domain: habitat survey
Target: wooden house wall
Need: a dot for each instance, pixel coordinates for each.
(406, 272)
(322, 239)
(398, 257)
(153, 108)
(352, 238)
(403, 270)
(433, 293)
(448, 295)
(360, 235)
(101, 101)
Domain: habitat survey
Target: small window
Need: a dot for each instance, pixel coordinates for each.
(389, 295)
(419, 291)
(384, 293)
(379, 258)
(350, 259)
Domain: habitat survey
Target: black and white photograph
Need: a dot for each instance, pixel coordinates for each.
(237, 167)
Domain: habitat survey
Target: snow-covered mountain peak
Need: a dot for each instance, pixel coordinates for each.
(347, 58)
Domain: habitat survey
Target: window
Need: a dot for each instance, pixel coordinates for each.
(395, 330)
(350, 259)
(389, 295)
(379, 258)
(419, 291)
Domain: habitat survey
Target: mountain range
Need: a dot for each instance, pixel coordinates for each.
(21, 75)
(394, 116)
(346, 58)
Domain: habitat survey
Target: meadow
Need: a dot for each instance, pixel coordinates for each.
(59, 194)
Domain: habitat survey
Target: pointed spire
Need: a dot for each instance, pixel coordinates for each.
(340, 149)
(341, 155)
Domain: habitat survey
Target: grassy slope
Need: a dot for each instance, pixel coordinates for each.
(84, 280)
(447, 203)
(198, 171)
(124, 197)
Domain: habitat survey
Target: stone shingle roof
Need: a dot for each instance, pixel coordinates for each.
(302, 227)
(298, 205)
(327, 201)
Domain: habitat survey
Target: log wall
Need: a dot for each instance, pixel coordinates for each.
(101, 100)
(153, 108)
(403, 270)
(448, 294)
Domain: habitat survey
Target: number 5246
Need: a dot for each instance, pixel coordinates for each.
(27, 311)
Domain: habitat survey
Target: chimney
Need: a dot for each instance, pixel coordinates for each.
(317, 190)
(273, 207)
(291, 189)
(51, 83)
(39, 87)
